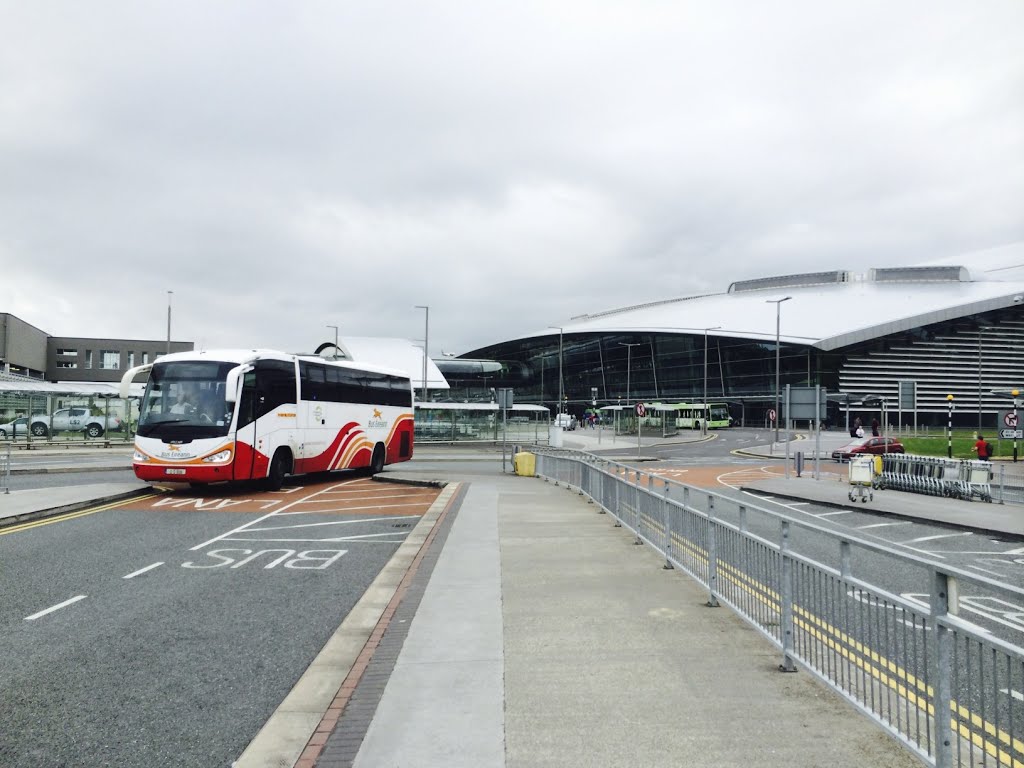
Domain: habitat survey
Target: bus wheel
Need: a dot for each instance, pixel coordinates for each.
(377, 462)
(278, 468)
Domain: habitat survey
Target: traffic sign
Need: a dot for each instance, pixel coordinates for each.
(1011, 434)
(641, 409)
(771, 414)
(1010, 419)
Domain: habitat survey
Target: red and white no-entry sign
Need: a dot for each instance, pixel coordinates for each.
(1010, 420)
(771, 414)
(641, 409)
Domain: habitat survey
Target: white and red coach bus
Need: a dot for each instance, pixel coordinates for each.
(219, 415)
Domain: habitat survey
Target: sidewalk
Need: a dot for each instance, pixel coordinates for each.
(544, 637)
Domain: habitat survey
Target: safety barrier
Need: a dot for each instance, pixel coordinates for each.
(880, 626)
(952, 478)
(5, 469)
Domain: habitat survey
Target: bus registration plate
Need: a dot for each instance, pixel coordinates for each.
(174, 471)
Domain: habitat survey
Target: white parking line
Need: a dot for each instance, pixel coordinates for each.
(883, 525)
(838, 512)
(939, 536)
(57, 607)
(1015, 694)
(142, 571)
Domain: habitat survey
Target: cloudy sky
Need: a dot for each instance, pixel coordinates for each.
(285, 166)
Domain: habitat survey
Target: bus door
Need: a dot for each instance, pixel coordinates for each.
(245, 434)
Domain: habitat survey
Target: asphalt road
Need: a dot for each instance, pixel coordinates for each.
(166, 631)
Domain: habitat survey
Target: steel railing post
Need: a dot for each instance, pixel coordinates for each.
(940, 671)
(786, 601)
(666, 521)
(712, 556)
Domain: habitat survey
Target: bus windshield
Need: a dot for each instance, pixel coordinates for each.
(185, 400)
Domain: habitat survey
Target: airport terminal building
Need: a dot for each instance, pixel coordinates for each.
(868, 333)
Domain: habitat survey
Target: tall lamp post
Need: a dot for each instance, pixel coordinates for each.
(629, 365)
(335, 335)
(426, 346)
(169, 294)
(707, 411)
(980, 329)
(949, 428)
(561, 385)
(778, 315)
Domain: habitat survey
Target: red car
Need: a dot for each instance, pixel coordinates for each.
(875, 446)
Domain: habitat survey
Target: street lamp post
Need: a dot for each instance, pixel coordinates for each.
(1016, 405)
(949, 428)
(778, 316)
(169, 294)
(561, 384)
(629, 352)
(426, 347)
(704, 422)
(980, 329)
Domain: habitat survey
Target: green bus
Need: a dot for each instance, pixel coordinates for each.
(693, 415)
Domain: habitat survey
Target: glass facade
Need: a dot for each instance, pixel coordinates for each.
(978, 359)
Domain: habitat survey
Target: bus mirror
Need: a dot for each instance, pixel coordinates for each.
(129, 376)
(231, 383)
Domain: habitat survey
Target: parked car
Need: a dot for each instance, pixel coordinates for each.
(874, 446)
(79, 419)
(14, 428)
(39, 425)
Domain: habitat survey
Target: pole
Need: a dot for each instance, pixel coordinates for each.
(704, 423)
(778, 318)
(979, 379)
(426, 347)
(169, 294)
(949, 428)
(561, 380)
(1016, 404)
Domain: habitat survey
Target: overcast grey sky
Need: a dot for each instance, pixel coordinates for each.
(287, 166)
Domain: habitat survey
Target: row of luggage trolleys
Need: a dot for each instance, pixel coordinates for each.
(953, 478)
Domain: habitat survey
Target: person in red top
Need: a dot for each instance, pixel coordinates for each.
(983, 449)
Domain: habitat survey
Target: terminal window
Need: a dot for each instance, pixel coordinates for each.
(110, 360)
(67, 352)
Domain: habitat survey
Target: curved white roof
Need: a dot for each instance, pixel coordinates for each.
(857, 305)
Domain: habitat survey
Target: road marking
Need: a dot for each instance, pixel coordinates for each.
(939, 536)
(986, 570)
(72, 515)
(142, 571)
(883, 525)
(57, 607)
(331, 523)
(833, 514)
(1015, 694)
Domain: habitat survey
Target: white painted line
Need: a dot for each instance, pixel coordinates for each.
(883, 525)
(332, 522)
(142, 571)
(939, 536)
(57, 607)
(1015, 694)
(838, 512)
(986, 570)
(1013, 552)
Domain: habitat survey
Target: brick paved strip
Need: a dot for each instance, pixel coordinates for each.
(284, 739)
(371, 672)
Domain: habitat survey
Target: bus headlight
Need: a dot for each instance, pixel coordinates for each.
(139, 456)
(218, 458)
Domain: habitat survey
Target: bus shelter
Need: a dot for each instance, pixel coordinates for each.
(41, 412)
(480, 422)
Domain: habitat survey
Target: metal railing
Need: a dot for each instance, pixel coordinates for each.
(900, 651)
(5, 468)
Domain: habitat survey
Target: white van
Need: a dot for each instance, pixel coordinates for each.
(566, 421)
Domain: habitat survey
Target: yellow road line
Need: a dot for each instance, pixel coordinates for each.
(72, 515)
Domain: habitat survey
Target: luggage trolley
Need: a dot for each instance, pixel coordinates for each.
(862, 476)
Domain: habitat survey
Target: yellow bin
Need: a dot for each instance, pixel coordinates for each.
(525, 464)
